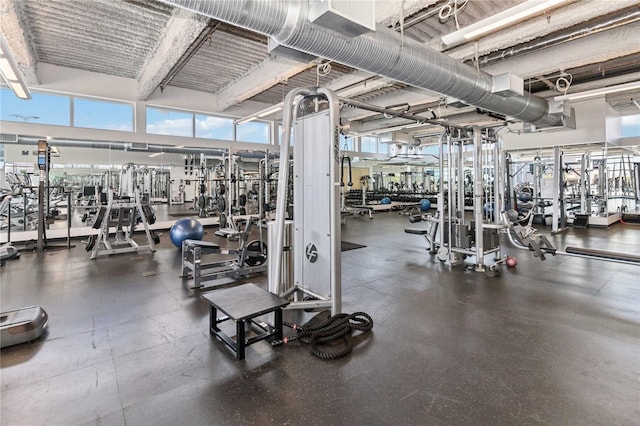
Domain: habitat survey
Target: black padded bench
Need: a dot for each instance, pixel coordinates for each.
(242, 304)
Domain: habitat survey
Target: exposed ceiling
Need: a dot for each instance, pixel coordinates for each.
(592, 43)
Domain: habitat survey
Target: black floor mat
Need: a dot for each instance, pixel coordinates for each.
(346, 245)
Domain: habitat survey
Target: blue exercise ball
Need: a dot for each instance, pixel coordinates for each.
(425, 205)
(385, 200)
(186, 229)
(525, 197)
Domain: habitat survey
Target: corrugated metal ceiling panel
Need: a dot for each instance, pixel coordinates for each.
(227, 56)
(306, 78)
(111, 37)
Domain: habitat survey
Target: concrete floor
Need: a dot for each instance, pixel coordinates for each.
(553, 342)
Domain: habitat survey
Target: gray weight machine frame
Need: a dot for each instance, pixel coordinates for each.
(540, 245)
(453, 210)
(303, 248)
(194, 266)
(131, 246)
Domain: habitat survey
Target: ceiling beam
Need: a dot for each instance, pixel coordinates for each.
(595, 48)
(181, 31)
(578, 13)
(268, 73)
(389, 12)
(15, 31)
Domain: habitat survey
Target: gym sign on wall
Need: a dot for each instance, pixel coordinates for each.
(311, 252)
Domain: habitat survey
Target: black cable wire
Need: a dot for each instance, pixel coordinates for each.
(333, 328)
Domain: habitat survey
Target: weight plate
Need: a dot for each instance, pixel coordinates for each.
(258, 255)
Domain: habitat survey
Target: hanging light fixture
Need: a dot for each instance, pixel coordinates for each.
(501, 20)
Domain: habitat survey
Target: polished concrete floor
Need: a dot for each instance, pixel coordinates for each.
(554, 342)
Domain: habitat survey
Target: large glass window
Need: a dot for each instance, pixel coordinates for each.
(94, 114)
(630, 126)
(254, 131)
(41, 108)
(167, 122)
(209, 127)
(369, 144)
(280, 136)
(346, 143)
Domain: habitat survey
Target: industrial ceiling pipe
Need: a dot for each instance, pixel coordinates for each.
(383, 52)
(150, 148)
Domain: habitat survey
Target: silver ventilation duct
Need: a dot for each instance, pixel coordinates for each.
(381, 52)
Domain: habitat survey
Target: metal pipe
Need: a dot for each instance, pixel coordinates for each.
(399, 114)
(383, 52)
(441, 210)
(335, 231)
(283, 181)
(477, 196)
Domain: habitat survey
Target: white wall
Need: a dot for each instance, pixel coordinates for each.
(591, 127)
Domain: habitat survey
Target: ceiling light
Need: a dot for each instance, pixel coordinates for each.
(246, 119)
(7, 71)
(500, 20)
(156, 154)
(262, 113)
(599, 92)
(269, 111)
(10, 72)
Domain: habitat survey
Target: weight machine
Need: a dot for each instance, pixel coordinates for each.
(480, 151)
(250, 258)
(527, 238)
(313, 116)
(123, 214)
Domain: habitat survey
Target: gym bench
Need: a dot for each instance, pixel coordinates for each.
(242, 305)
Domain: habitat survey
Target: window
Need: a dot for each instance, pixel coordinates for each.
(630, 126)
(94, 114)
(167, 122)
(209, 127)
(41, 109)
(346, 143)
(280, 135)
(254, 131)
(369, 144)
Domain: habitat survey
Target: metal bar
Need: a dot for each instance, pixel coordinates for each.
(557, 172)
(283, 181)
(477, 197)
(336, 273)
